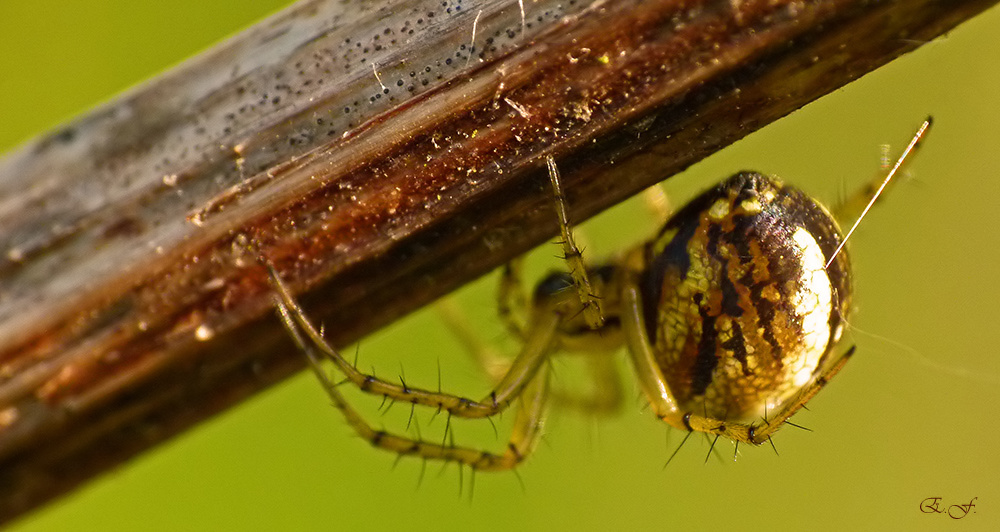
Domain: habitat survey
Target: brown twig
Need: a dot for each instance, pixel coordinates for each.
(130, 308)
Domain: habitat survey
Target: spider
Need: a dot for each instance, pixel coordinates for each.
(732, 315)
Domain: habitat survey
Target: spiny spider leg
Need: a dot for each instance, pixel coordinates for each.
(857, 203)
(539, 343)
(605, 397)
(574, 257)
(524, 434)
(664, 405)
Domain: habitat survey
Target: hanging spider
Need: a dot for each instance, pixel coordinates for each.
(732, 315)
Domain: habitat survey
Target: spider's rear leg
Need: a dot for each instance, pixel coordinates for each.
(512, 299)
(524, 433)
(857, 205)
(606, 394)
(485, 355)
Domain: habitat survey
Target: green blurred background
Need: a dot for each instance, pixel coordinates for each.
(911, 416)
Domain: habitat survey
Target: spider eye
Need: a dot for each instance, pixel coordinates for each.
(739, 307)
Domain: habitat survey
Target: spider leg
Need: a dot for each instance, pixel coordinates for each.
(854, 205)
(589, 297)
(538, 344)
(651, 380)
(654, 385)
(485, 355)
(606, 395)
(524, 434)
(512, 300)
(850, 207)
(758, 434)
(657, 203)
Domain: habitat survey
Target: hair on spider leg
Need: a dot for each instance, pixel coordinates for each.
(444, 466)
(583, 310)
(711, 447)
(402, 378)
(496, 433)
(445, 463)
(448, 431)
(399, 458)
(677, 450)
(472, 484)
(423, 469)
(416, 429)
(807, 429)
(392, 403)
(520, 480)
(712, 450)
(413, 407)
(437, 411)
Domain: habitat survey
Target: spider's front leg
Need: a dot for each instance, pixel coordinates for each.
(524, 433)
(657, 390)
(539, 342)
(526, 379)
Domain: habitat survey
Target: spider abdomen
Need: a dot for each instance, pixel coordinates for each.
(739, 307)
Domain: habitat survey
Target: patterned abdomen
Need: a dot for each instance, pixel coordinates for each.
(738, 304)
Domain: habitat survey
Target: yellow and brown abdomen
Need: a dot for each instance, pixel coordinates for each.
(739, 306)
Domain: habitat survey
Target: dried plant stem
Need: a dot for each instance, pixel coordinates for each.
(379, 161)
